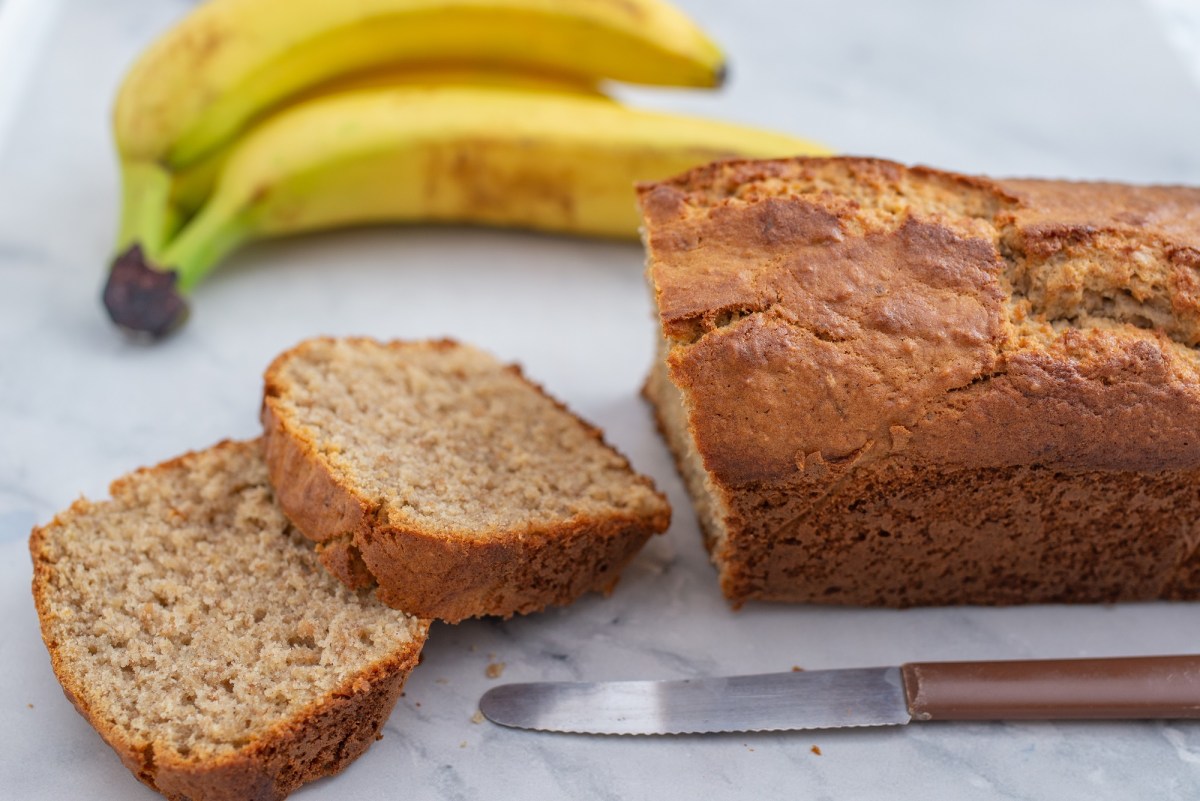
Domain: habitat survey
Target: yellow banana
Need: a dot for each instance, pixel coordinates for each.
(435, 74)
(191, 187)
(543, 161)
(229, 61)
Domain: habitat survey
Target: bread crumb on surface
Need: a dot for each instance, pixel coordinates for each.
(495, 670)
(477, 717)
(816, 749)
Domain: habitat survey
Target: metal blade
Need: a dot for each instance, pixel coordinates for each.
(817, 699)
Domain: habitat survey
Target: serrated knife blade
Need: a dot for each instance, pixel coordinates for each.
(767, 702)
(1117, 688)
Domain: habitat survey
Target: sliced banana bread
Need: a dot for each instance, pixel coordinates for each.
(194, 629)
(447, 480)
(898, 386)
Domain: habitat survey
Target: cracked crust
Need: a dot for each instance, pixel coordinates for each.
(442, 571)
(904, 386)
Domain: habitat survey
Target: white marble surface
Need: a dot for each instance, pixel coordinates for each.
(1071, 88)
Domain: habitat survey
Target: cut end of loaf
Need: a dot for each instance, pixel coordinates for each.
(461, 487)
(193, 626)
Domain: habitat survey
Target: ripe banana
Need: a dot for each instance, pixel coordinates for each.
(229, 61)
(544, 161)
(190, 187)
(156, 201)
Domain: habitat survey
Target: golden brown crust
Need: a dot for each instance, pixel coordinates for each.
(341, 558)
(1065, 209)
(432, 575)
(913, 387)
(436, 574)
(301, 482)
(320, 740)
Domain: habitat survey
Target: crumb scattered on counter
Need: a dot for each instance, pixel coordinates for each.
(29, 705)
(816, 749)
(477, 717)
(495, 670)
(463, 744)
(797, 669)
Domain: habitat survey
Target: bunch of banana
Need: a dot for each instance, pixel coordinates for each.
(257, 118)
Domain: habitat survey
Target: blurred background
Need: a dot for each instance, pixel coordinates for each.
(1068, 87)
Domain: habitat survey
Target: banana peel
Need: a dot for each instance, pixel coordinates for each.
(261, 118)
(499, 157)
(229, 62)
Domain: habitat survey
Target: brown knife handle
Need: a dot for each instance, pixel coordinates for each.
(1061, 689)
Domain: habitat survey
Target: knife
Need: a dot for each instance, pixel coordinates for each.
(1131, 688)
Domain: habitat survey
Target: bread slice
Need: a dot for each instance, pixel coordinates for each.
(447, 479)
(897, 386)
(193, 628)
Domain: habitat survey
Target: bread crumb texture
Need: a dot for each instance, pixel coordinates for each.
(892, 385)
(194, 627)
(448, 479)
(450, 440)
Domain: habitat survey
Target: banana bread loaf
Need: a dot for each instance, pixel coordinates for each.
(900, 386)
(195, 630)
(447, 480)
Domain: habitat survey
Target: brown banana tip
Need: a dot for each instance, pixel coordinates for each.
(141, 300)
(721, 75)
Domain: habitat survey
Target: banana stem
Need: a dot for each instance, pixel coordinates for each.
(148, 217)
(139, 295)
(203, 243)
(149, 279)
(140, 298)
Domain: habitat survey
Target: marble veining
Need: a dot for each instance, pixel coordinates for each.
(1073, 89)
